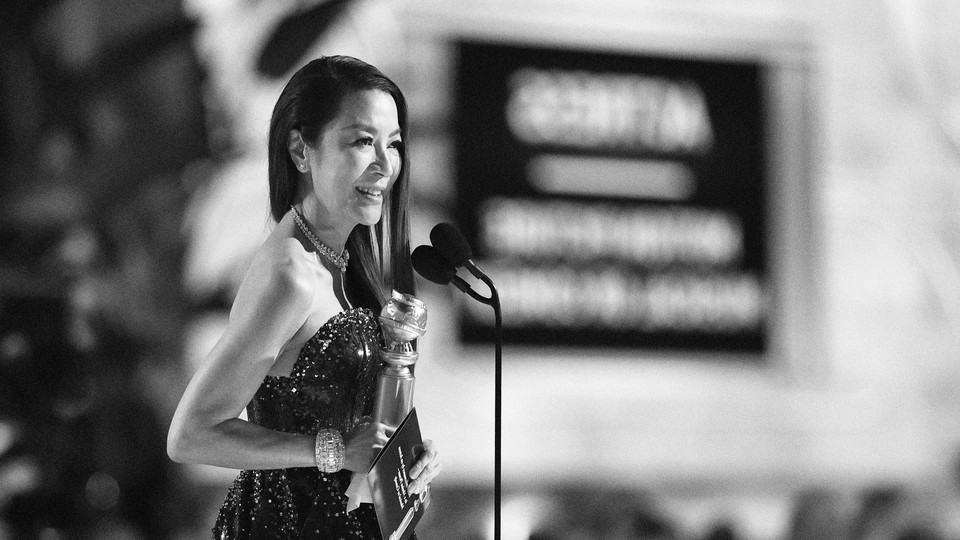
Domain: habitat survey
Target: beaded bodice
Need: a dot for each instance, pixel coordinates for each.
(333, 381)
(332, 385)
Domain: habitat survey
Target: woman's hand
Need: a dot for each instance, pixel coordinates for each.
(363, 443)
(425, 469)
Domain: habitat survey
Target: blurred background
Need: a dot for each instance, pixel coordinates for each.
(725, 235)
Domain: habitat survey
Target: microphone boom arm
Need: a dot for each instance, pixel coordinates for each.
(459, 283)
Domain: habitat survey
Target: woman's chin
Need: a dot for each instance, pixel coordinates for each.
(370, 216)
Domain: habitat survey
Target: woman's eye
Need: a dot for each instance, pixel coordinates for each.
(364, 141)
(396, 145)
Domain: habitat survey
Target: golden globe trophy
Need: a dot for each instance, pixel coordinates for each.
(402, 320)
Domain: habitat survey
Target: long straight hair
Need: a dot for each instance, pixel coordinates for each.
(311, 99)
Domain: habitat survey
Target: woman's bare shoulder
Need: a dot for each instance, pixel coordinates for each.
(281, 274)
(284, 262)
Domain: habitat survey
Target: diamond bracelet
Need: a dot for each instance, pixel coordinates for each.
(329, 451)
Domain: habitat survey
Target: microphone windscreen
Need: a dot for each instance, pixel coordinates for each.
(429, 263)
(451, 243)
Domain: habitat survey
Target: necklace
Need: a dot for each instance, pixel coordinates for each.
(339, 260)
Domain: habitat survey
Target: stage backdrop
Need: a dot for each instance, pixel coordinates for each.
(616, 200)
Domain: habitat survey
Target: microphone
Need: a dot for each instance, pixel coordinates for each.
(429, 263)
(451, 243)
(454, 247)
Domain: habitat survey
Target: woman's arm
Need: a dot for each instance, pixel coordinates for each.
(272, 304)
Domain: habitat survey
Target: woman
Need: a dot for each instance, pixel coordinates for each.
(300, 348)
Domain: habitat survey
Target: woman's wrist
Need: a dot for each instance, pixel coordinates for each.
(329, 452)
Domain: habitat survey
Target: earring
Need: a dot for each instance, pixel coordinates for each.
(303, 167)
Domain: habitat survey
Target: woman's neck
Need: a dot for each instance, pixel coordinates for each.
(329, 234)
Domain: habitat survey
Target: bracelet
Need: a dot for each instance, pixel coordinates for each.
(328, 450)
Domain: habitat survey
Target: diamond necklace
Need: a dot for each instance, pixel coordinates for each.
(339, 260)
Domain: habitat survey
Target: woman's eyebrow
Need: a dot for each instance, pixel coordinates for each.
(367, 128)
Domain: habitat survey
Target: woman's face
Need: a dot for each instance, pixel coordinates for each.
(355, 159)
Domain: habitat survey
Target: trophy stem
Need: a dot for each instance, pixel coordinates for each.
(394, 395)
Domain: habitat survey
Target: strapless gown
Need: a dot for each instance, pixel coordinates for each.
(332, 385)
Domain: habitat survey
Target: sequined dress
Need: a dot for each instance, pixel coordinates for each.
(332, 385)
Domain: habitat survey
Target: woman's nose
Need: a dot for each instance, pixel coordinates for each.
(384, 162)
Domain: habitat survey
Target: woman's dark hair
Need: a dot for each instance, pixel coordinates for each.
(310, 100)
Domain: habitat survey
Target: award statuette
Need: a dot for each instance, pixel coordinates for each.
(402, 320)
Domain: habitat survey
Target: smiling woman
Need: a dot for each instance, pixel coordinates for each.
(352, 163)
(299, 352)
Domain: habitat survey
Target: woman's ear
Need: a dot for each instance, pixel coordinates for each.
(297, 148)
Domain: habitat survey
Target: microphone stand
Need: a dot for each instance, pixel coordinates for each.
(498, 406)
(494, 302)
(432, 263)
